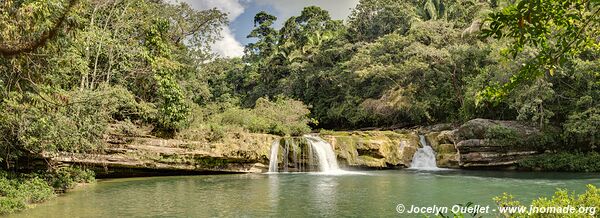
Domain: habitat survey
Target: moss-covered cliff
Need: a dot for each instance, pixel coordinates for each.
(373, 149)
(476, 144)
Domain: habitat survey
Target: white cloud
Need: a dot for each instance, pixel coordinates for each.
(339, 9)
(228, 46)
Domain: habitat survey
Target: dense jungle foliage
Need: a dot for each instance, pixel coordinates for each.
(72, 70)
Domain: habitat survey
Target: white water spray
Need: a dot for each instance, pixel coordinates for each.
(424, 158)
(325, 155)
(317, 152)
(274, 153)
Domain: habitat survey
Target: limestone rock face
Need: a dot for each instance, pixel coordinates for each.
(478, 143)
(493, 144)
(241, 153)
(373, 149)
(443, 144)
(133, 156)
(482, 153)
(483, 143)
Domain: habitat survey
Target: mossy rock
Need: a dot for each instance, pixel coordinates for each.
(446, 137)
(448, 160)
(375, 149)
(446, 149)
(432, 139)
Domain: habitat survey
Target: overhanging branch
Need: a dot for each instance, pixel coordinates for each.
(8, 50)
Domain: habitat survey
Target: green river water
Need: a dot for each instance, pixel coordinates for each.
(368, 194)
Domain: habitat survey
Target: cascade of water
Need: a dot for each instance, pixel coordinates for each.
(303, 157)
(286, 154)
(324, 152)
(274, 153)
(424, 158)
(298, 157)
(310, 158)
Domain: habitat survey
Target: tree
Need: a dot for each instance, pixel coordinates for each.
(173, 109)
(558, 30)
(374, 18)
(278, 57)
(303, 35)
(432, 9)
(265, 34)
(143, 45)
(19, 40)
(461, 12)
(420, 76)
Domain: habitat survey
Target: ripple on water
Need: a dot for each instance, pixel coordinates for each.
(345, 193)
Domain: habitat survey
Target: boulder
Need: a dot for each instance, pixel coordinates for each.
(443, 144)
(483, 143)
(482, 128)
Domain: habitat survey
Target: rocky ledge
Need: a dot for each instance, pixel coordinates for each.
(126, 156)
(482, 143)
(478, 143)
(374, 149)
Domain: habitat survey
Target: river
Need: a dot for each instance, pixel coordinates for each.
(364, 194)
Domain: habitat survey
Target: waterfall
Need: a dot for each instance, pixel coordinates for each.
(325, 155)
(303, 154)
(274, 153)
(424, 158)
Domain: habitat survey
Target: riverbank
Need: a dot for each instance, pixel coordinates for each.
(476, 144)
(20, 191)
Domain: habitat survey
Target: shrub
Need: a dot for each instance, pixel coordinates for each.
(542, 140)
(56, 120)
(582, 128)
(66, 178)
(35, 123)
(18, 191)
(564, 161)
(590, 199)
(502, 135)
(122, 105)
(217, 132)
(281, 117)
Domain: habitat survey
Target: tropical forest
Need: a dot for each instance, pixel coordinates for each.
(122, 108)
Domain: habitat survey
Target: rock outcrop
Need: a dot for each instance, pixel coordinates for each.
(133, 156)
(478, 143)
(447, 155)
(246, 153)
(373, 149)
(492, 143)
(482, 143)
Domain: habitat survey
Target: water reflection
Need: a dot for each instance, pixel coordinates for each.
(274, 191)
(299, 194)
(324, 193)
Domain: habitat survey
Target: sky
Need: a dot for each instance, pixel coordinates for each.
(241, 14)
